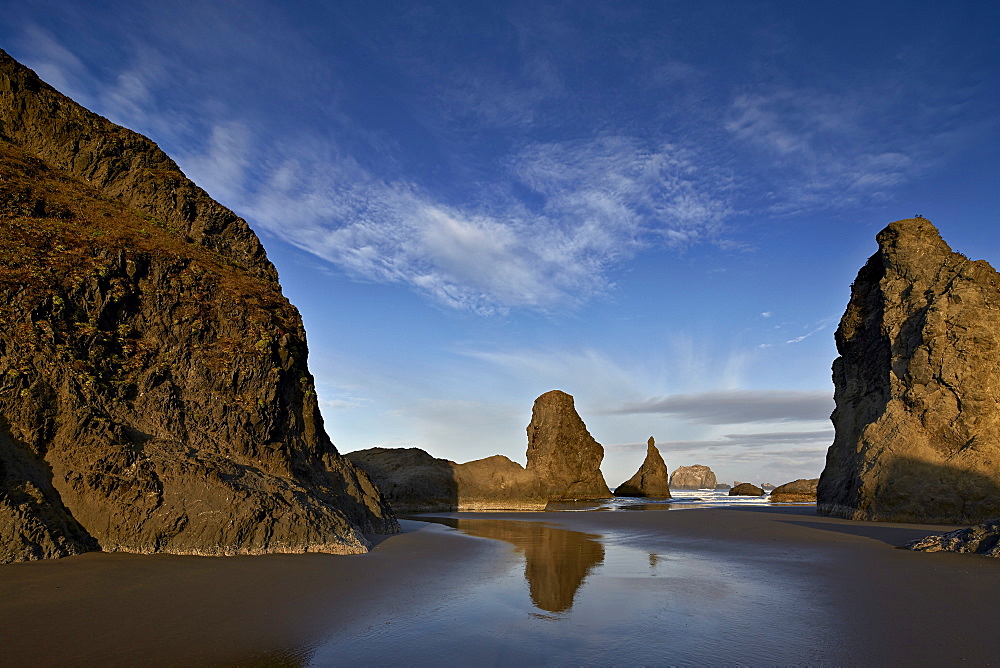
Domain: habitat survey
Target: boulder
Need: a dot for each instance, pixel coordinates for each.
(982, 539)
(154, 388)
(652, 478)
(746, 489)
(916, 384)
(693, 477)
(722, 487)
(798, 491)
(562, 454)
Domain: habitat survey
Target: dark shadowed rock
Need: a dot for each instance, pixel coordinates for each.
(561, 452)
(746, 489)
(652, 478)
(154, 392)
(983, 539)
(916, 419)
(410, 479)
(798, 491)
(693, 477)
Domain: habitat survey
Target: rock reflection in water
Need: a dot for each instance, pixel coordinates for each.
(557, 561)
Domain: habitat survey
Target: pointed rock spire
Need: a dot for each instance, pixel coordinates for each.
(651, 480)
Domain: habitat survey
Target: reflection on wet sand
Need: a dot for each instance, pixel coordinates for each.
(557, 561)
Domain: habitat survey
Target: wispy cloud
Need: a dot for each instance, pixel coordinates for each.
(821, 147)
(594, 204)
(751, 441)
(736, 406)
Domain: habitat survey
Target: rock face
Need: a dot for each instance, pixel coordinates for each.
(693, 477)
(561, 452)
(746, 489)
(652, 478)
(413, 481)
(797, 491)
(564, 463)
(983, 539)
(154, 393)
(916, 386)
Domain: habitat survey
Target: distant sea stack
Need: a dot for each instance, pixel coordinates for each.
(652, 478)
(154, 393)
(562, 453)
(798, 491)
(917, 421)
(693, 477)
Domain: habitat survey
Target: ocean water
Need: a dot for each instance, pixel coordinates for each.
(680, 499)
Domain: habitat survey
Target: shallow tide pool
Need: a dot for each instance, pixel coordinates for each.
(566, 597)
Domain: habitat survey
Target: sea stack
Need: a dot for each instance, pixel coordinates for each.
(916, 384)
(154, 392)
(561, 452)
(651, 480)
(693, 477)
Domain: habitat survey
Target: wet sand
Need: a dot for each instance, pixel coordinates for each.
(753, 586)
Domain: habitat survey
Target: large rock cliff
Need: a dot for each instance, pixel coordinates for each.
(651, 480)
(917, 386)
(154, 393)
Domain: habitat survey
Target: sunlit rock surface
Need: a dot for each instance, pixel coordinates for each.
(693, 477)
(917, 386)
(798, 491)
(652, 478)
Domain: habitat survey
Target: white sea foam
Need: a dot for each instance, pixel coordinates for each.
(680, 499)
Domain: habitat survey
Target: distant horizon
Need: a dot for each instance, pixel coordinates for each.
(657, 208)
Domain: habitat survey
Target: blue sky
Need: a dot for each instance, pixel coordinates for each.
(657, 207)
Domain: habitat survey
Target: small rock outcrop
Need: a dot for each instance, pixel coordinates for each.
(561, 452)
(154, 391)
(413, 481)
(916, 386)
(798, 491)
(722, 487)
(746, 489)
(982, 539)
(693, 477)
(651, 480)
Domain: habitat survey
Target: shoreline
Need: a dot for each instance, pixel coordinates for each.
(790, 585)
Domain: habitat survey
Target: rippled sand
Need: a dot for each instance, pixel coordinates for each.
(754, 585)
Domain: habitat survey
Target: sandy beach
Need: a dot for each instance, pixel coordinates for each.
(751, 586)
